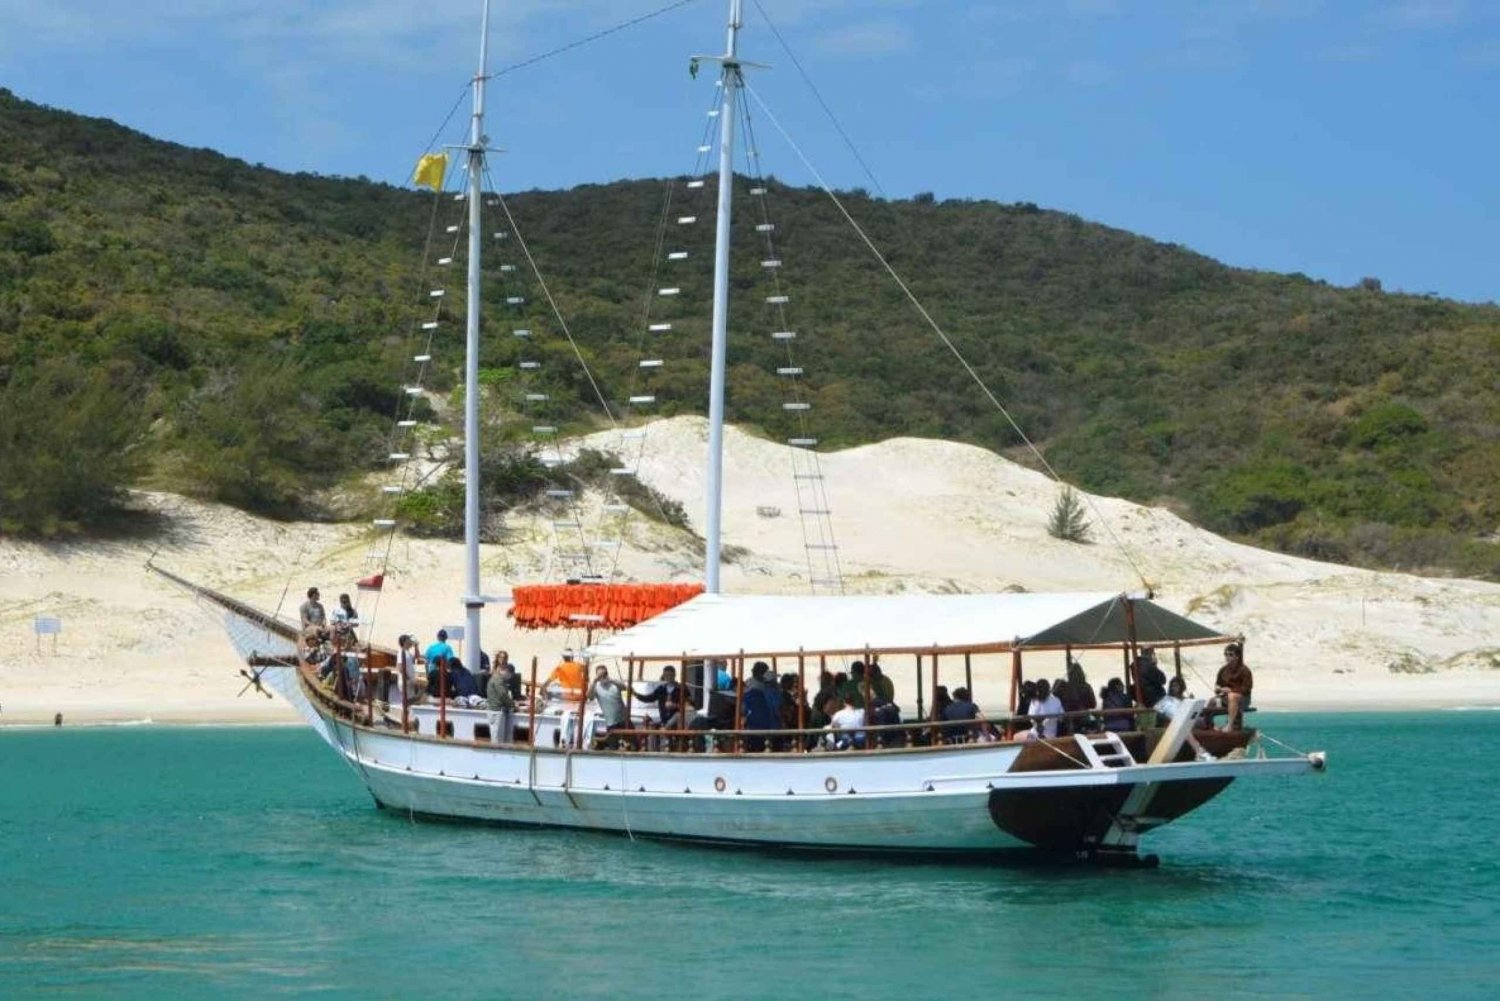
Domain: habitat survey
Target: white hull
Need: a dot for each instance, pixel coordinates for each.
(922, 800)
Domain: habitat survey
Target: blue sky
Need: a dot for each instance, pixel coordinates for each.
(1339, 139)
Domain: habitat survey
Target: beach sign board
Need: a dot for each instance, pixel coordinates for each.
(46, 625)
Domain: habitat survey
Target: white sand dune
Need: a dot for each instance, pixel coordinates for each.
(909, 514)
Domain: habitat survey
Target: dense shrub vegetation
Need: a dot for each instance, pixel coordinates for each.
(173, 317)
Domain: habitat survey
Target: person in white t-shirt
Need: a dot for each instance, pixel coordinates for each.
(848, 725)
(1048, 705)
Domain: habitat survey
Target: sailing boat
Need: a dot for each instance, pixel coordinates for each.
(1066, 784)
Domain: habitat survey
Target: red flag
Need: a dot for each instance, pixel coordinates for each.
(374, 582)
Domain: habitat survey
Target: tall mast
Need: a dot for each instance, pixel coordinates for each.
(473, 601)
(729, 82)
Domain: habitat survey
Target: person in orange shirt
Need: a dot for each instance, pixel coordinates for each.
(570, 677)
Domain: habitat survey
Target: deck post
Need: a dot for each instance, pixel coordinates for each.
(1015, 687)
(822, 670)
(969, 674)
(629, 685)
(583, 704)
(531, 707)
(937, 731)
(1131, 649)
(1177, 657)
(865, 695)
(921, 710)
(443, 697)
(739, 701)
(801, 698)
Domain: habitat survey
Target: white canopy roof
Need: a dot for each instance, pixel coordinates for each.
(724, 625)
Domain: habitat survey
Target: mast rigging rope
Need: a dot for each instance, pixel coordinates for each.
(579, 42)
(937, 329)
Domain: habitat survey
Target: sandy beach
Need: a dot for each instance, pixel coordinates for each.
(909, 515)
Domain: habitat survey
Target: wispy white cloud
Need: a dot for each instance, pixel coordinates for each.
(1349, 52)
(1483, 55)
(1093, 8)
(1000, 77)
(1088, 72)
(1424, 14)
(867, 39)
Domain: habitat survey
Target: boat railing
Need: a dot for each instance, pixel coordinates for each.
(872, 736)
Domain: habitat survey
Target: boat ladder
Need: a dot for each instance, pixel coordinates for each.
(1104, 750)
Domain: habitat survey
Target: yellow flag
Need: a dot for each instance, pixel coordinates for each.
(430, 171)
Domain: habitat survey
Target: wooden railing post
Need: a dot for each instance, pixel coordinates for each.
(865, 695)
(531, 706)
(443, 697)
(401, 656)
(739, 702)
(921, 712)
(801, 699)
(583, 704)
(937, 730)
(629, 687)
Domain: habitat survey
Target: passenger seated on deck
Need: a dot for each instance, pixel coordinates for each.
(762, 709)
(828, 688)
(439, 678)
(345, 621)
(1171, 703)
(1114, 697)
(568, 679)
(885, 713)
(1045, 705)
(960, 709)
(668, 698)
(463, 685)
(1076, 694)
(941, 700)
(314, 618)
(1026, 698)
(439, 648)
(883, 689)
(846, 726)
(854, 686)
(795, 713)
(1233, 685)
(1153, 680)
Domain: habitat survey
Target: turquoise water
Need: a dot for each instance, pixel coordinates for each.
(244, 862)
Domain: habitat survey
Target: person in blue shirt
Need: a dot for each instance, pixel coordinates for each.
(440, 648)
(762, 704)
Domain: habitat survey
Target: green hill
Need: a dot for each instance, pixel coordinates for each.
(173, 317)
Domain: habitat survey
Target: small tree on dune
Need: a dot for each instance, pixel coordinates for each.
(1068, 522)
